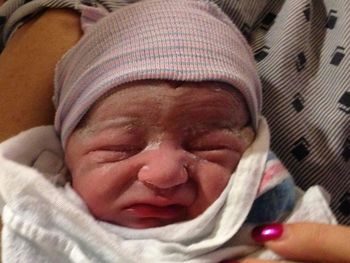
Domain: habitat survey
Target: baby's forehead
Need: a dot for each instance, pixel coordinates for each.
(171, 103)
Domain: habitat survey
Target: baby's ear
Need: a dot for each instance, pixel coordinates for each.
(90, 15)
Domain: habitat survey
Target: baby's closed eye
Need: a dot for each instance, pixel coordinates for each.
(114, 153)
(216, 140)
(222, 147)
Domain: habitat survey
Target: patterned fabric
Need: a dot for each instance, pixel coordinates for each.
(276, 196)
(302, 52)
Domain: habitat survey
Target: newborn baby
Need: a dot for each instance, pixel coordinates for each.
(159, 153)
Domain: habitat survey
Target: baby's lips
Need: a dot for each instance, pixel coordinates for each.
(153, 211)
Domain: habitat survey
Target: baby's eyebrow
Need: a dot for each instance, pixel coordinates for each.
(203, 127)
(121, 122)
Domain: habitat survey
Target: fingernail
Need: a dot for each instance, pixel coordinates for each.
(265, 233)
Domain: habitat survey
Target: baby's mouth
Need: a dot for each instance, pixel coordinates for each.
(145, 211)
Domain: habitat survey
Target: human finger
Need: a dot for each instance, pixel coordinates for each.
(306, 241)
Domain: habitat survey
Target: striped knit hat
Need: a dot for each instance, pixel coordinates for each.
(183, 40)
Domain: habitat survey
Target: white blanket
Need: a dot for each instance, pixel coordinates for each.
(45, 221)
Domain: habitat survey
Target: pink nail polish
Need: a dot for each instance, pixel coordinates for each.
(265, 233)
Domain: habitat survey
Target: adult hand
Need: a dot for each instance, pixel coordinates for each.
(305, 242)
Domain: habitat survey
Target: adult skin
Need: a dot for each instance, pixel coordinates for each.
(308, 242)
(26, 72)
(27, 68)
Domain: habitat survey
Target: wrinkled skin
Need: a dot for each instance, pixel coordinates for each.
(152, 153)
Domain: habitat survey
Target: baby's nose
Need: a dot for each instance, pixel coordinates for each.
(165, 167)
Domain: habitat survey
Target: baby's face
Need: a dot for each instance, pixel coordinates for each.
(157, 152)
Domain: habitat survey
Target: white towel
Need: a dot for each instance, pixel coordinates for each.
(46, 222)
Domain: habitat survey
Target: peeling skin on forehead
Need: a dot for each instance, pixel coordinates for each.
(182, 98)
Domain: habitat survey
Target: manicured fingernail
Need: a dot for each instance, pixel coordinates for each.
(265, 233)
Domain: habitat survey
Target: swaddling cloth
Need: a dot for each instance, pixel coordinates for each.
(46, 222)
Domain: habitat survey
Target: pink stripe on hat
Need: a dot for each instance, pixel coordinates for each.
(184, 40)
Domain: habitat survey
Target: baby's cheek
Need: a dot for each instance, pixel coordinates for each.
(104, 181)
(217, 181)
(92, 175)
(212, 179)
(96, 191)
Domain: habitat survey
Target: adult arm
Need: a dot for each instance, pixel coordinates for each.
(27, 67)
